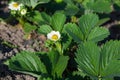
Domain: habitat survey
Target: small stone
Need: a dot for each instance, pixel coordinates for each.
(1, 55)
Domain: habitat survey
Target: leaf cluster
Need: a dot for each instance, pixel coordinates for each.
(48, 65)
(87, 29)
(99, 62)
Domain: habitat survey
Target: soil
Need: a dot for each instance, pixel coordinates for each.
(14, 35)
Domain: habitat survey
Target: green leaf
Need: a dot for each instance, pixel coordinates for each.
(28, 28)
(53, 56)
(32, 3)
(57, 22)
(44, 29)
(39, 18)
(68, 1)
(98, 34)
(87, 22)
(87, 58)
(43, 1)
(98, 63)
(110, 55)
(61, 65)
(87, 29)
(35, 17)
(85, 2)
(27, 62)
(116, 5)
(66, 41)
(71, 9)
(29, 3)
(74, 31)
(102, 21)
(46, 18)
(100, 6)
(48, 78)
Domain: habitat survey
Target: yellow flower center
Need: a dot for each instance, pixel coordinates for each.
(55, 37)
(15, 5)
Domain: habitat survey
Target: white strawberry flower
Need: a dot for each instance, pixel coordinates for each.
(14, 6)
(54, 35)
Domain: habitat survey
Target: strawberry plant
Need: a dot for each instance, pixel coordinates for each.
(47, 66)
(77, 43)
(87, 29)
(99, 62)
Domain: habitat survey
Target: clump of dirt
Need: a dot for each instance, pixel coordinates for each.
(13, 38)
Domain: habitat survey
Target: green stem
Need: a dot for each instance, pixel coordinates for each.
(99, 78)
(21, 21)
(59, 48)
